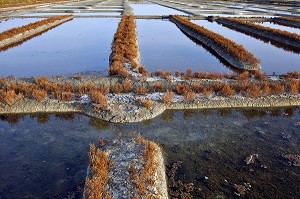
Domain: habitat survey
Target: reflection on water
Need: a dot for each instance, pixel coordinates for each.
(164, 46)
(75, 46)
(45, 156)
(272, 59)
(153, 9)
(15, 23)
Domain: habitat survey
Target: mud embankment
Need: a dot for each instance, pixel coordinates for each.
(288, 43)
(15, 39)
(234, 62)
(124, 108)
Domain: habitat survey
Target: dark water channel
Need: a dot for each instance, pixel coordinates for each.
(75, 46)
(45, 156)
(272, 59)
(164, 46)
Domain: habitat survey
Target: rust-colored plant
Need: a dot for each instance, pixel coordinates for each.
(294, 86)
(147, 103)
(39, 95)
(158, 87)
(9, 97)
(167, 98)
(189, 96)
(279, 89)
(253, 91)
(117, 88)
(226, 91)
(180, 89)
(95, 186)
(141, 90)
(127, 86)
(99, 99)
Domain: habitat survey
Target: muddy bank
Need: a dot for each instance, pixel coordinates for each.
(288, 43)
(233, 61)
(31, 33)
(124, 108)
(134, 168)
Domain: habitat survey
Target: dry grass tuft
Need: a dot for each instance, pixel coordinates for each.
(95, 187)
(127, 86)
(141, 90)
(189, 96)
(167, 98)
(147, 103)
(99, 99)
(39, 95)
(226, 91)
(9, 97)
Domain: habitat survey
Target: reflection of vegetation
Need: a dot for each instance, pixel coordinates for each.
(99, 125)
(275, 112)
(167, 116)
(205, 112)
(225, 112)
(65, 116)
(147, 122)
(253, 113)
(289, 112)
(188, 113)
(12, 119)
(43, 118)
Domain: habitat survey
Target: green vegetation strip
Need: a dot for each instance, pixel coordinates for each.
(246, 59)
(284, 37)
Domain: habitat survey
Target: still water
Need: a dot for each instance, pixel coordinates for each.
(164, 46)
(75, 46)
(45, 156)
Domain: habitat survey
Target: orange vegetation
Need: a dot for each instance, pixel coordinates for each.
(229, 46)
(125, 48)
(269, 31)
(167, 98)
(147, 103)
(99, 165)
(9, 97)
(15, 31)
(99, 99)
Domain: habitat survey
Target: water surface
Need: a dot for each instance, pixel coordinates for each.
(164, 46)
(75, 46)
(45, 156)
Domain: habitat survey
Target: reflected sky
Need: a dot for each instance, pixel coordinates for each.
(75, 46)
(164, 46)
(153, 9)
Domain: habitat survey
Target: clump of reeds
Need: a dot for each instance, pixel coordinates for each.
(99, 99)
(9, 97)
(167, 98)
(95, 186)
(125, 48)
